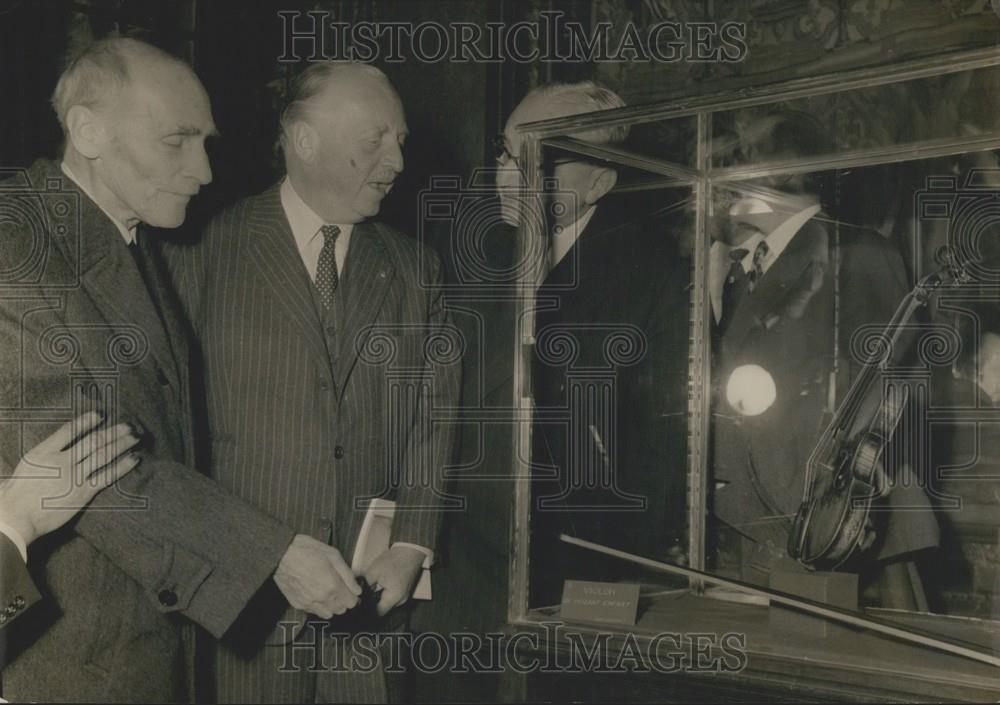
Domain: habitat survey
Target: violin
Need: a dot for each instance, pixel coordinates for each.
(845, 473)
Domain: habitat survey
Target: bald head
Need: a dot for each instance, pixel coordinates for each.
(342, 134)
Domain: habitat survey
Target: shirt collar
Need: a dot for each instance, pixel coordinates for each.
(563, 238)
(777, 241)
(127, 233)
(779, 238)
(304, 221)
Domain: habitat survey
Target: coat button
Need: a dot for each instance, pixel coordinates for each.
(338, 452)
(167, 598)
(324, 385)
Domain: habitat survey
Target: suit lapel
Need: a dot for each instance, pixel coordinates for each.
(590, 274)
(169, 306)
(572, 267)
(758, 308)
(368, 272)
(110, 276)
(277, 259)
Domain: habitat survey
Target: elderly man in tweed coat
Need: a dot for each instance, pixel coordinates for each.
(86, 322)
(82, 448)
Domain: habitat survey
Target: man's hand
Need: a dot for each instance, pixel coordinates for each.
(314, 577)
(396, 571)
(65, 471)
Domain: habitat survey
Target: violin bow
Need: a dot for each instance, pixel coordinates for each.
(836, 614)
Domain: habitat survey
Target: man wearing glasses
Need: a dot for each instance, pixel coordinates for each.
(609, 431)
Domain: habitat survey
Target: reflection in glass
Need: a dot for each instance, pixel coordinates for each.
(804, 269)
(609, 384)
(808, 321)
(927, 110)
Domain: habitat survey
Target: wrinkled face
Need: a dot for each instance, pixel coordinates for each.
(361, 129)
(572, 178)
(154, 159)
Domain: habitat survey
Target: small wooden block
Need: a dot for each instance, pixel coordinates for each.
(836, 589)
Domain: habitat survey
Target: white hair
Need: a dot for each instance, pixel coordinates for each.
(589, 97)
(310, 83)
(96, 76)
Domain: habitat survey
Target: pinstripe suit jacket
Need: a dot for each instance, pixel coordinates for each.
(310, 418)
(78, 328)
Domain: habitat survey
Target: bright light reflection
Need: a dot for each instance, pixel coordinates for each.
(750, 390)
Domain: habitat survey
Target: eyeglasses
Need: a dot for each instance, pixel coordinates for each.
(504, 156)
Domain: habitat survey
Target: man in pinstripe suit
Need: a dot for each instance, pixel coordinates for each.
(330, 367)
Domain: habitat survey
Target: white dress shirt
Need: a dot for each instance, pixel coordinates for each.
(563, 238)
(777, 241)
(306, 224)
(15, 538)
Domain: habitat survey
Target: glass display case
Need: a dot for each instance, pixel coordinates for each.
(775, 366)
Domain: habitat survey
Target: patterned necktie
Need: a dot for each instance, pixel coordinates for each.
(326, 269)
(757, 272)
(734, 288)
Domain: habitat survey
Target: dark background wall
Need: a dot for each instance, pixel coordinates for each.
(453, 108)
